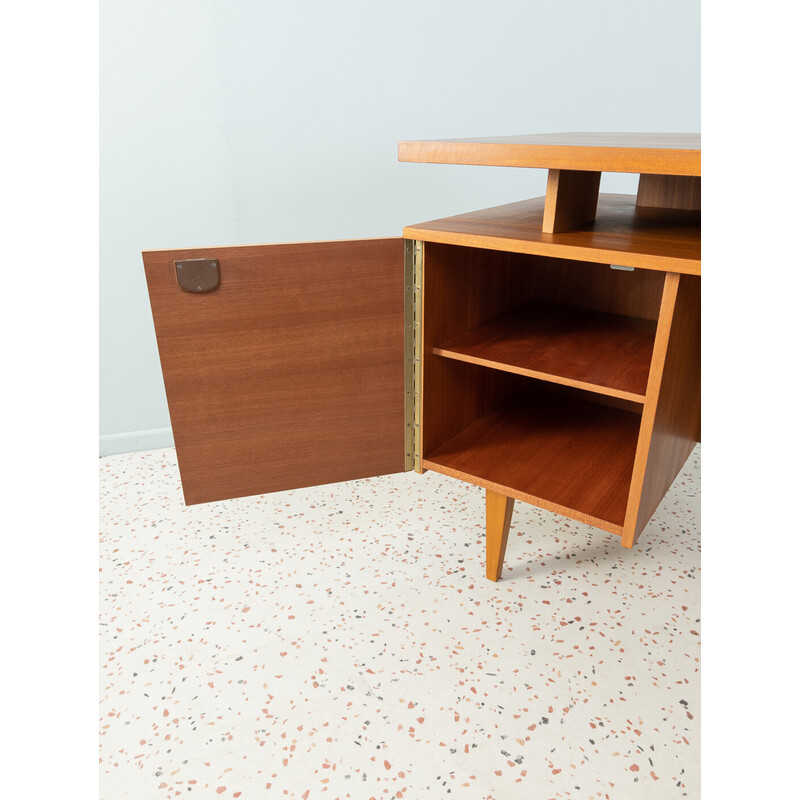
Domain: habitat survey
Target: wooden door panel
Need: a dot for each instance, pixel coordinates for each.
(289, 373)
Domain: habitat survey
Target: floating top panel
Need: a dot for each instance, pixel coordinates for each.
(651, 153)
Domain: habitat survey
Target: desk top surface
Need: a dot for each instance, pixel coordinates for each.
(651, 153)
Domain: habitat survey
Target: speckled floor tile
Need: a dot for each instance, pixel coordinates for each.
(342, 642)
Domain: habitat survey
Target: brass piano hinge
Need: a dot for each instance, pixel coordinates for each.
(413, 354)
(419, 255)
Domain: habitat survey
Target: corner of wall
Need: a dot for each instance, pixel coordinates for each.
(132, 441)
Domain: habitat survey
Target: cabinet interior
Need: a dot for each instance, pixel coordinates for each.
(535, 370)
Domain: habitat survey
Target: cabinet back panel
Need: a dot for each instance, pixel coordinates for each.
(583, 284)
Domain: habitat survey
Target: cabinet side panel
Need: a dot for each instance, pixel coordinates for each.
(291, 372)
(463, 287)
(677, 421)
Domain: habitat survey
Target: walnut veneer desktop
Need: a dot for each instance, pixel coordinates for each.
(546, 350)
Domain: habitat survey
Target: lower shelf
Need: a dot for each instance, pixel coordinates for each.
(562, 453)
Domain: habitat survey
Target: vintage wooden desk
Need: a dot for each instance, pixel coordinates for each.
(547, 350)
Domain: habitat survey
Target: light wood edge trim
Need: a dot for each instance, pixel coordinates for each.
(571, 199)
(544, 376)
(685, 266)
(592, 159)
(526, 498)
(175, 253)
(668, 298)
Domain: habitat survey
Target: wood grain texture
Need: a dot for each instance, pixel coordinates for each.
(669, 191)
(659, 153)
(671, 420)
(666, 240)
(499, 509)
(462, 287)
(571, 199)
(599, 352)
(466, 287)
(290, 373)
(596, 287)
(664, 325)
(466, 275)
(564, 454)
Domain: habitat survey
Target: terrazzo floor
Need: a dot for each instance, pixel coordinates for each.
(342, 642)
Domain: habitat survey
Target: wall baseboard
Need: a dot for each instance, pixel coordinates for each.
(131, 441)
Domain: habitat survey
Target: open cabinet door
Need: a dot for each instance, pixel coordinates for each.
(283, 364)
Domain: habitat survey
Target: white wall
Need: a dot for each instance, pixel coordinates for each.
(249, 121)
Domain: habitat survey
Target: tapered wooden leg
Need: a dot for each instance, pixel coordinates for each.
(499, 509)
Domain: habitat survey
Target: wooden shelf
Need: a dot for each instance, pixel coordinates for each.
(605, 353)
(654, 153)
(623, 233)
(564, 454)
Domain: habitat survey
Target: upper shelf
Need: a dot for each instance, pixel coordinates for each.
(604, 353)
(649, 153)
(623, 234)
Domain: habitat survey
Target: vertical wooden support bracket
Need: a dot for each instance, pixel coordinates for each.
(571, 199)
(669, 191)
(499, 509)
